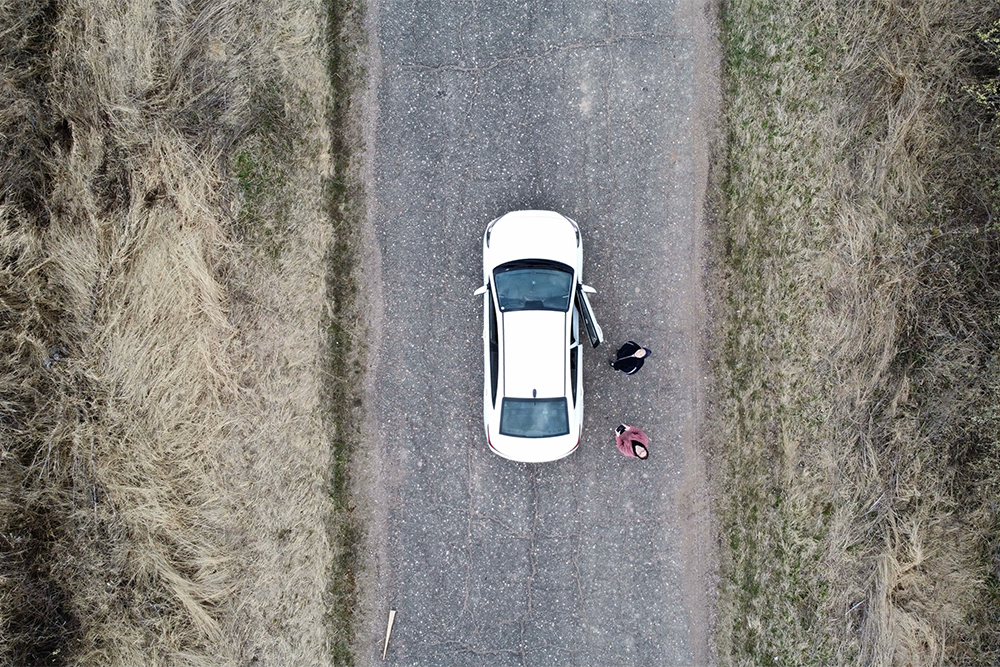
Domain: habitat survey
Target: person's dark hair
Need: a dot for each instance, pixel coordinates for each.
(636, 443)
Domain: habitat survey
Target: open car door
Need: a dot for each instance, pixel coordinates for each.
(589, 321)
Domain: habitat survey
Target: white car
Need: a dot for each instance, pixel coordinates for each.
(533, 302)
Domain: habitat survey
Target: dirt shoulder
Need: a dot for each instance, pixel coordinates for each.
(698, 521)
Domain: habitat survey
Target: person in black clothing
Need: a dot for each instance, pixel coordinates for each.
(630, 357)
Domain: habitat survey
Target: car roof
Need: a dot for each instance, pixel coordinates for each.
(534, 353)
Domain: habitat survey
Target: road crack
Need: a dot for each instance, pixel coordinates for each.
(532, 561)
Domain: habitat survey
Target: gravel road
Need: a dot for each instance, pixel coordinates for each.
(602, 111)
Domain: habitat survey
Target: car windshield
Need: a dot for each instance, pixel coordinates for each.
(534, 417)
(533, 285)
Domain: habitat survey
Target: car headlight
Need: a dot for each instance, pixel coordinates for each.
(576, 229)
(489, 229)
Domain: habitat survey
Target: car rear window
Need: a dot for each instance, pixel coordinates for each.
(534, 417)
(533, 285)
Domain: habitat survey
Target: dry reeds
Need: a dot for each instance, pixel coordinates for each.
(858, 337)
(164, 458)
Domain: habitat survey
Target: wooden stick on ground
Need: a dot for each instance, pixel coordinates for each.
(388, 631)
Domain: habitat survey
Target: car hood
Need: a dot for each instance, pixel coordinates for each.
(535, 235)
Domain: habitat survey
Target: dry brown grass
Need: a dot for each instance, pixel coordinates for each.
(164, 487)
(858, 359)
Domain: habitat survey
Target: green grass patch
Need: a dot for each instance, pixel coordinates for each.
(262, 222)
(258, 165)
(345, 349)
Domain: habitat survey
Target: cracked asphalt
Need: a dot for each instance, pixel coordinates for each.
(602, 111)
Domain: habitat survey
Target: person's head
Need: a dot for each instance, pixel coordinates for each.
(620, 429)
(640, 450)
(640, 353)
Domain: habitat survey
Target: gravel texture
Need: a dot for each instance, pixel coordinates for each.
(600, 111)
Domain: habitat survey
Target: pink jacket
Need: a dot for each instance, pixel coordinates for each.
(624, 440)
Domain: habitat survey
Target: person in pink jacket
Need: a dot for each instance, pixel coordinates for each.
(631, 441)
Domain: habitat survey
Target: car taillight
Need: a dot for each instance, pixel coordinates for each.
(490, 443)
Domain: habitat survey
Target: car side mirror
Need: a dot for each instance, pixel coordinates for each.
(481, 290)
(587, 289)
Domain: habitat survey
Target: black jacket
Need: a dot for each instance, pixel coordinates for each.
(625, 362)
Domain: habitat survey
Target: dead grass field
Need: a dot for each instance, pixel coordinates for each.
(858, 373)
(171, 188)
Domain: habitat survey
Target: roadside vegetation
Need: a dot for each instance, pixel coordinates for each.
(857, 409)
(172, 197)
